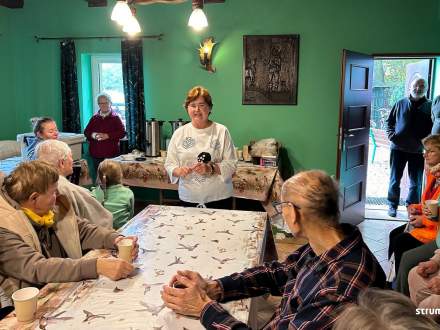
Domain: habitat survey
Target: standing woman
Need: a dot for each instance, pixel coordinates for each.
(202, 183)
(104, 131)
(44, 128)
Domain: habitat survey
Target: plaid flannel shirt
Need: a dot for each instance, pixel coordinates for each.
(311, 286)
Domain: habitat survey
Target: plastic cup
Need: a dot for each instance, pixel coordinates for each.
(432, 205)
(25, 302)
(125, 247)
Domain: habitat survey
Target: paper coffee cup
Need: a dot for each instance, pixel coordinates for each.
(432, 205)
(163, 153)
(125, 247)
(25, 302)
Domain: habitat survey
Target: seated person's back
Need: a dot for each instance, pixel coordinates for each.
(116, 198)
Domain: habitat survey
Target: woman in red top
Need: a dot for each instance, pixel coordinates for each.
(104, 131)
(425, 227)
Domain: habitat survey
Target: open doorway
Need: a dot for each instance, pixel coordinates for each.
(391, 79)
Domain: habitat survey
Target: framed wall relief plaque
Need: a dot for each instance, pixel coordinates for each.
(270, 69)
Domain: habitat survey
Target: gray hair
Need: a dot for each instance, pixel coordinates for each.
(384, 310)
(52, 151)
(316, 193)
(104, 95)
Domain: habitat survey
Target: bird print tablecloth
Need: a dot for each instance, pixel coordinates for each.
(213, 242)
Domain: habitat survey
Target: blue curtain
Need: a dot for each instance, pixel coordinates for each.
(69, 88)
(132, 72)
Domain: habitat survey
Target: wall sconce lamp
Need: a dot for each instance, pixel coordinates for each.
(205, 53)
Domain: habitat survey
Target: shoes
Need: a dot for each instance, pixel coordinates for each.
(392, 212)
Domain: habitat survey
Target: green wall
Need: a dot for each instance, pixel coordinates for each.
(30, 85)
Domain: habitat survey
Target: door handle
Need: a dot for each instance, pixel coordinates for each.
(349, 135)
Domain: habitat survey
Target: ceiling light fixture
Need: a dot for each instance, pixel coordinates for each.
(132, 26)
(121, 12)
(197, 20)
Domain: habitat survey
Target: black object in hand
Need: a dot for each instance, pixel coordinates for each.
(204, 157)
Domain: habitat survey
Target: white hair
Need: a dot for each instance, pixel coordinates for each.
(52, 151)
(104, 95)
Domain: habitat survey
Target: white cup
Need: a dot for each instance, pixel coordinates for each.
(125, 247)
(163, 153)
(432, 205)
(25, 302)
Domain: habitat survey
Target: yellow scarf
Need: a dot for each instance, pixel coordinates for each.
(46, 220)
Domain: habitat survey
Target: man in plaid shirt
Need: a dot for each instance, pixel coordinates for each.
(313, 281)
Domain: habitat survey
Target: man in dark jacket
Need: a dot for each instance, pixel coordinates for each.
(408, 123)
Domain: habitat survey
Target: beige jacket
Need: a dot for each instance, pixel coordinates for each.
(84, 204)
(21, 261)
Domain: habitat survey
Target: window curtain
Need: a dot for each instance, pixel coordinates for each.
(132, 72)
(69, 88)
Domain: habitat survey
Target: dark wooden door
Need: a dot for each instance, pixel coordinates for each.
(354, 126)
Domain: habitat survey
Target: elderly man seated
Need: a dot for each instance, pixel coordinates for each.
(41, 238)
(59, 154)
(316, 279)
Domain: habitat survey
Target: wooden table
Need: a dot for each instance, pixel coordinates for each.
(212, 242)
(250, 181)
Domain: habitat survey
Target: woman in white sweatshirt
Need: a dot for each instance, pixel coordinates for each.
(203, 181)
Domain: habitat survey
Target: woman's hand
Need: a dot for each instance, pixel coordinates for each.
(113, 268)
(434, 285)
(182, 171)
(135, 250)
(416, 220)
(190, 300)
(202, 169)
(427, 268)
(426, 211)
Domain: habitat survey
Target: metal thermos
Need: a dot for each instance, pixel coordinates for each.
(175, 124)
(153, 130)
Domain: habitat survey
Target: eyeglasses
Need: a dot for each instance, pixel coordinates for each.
(278, 206)
(201, 106)
(101, 103)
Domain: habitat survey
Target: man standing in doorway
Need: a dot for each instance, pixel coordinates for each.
(408, 123)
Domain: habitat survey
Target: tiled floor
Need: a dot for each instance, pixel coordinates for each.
(374, 232)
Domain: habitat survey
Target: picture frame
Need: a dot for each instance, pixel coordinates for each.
(270, 69)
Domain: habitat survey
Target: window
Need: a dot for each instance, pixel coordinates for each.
(107, 78)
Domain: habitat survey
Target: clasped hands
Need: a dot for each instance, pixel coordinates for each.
(101, 136)
(115, 268)
(427, 269)
(200, 168)
(416, 217)
(193, 297)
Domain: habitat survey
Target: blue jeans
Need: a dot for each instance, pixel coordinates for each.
(398, 160)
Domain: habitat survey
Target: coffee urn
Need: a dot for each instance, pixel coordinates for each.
(153, 131)
(175, 124)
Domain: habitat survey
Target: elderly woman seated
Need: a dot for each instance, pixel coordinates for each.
(424, 284)
(425, 227)
(314, 280)
(59, 154)
(41, 238)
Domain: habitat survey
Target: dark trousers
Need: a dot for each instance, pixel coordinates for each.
(401, 242)
(410, 259)
(96, 162)
(225, 204)
(398, 160)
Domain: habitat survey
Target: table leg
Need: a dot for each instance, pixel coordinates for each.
(160, 197)
(269, 252)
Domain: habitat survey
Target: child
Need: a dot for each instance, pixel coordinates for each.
(116, 198)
